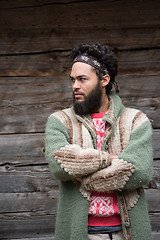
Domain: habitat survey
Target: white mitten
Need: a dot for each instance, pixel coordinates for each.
(111, 178)
(80, 162)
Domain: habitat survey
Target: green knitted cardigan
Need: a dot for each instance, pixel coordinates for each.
(136, 149)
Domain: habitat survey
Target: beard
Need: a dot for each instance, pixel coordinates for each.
(91, 103)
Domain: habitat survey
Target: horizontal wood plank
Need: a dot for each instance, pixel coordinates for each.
(139, 85)
(34, 90)
(27, 179)
(39, 202)
(36, 98)
(26, 225)
(32, 118)
(25, 149)
(51, 26)
(30, 179)
(22, 149)
(35, 223)
(156, 235)
(37, 90)
(58, 63)
(22, 226)
(155, 221)
(11, 4)
(153, 199)
(42, 202)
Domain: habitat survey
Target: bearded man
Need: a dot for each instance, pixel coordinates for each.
(102, 154)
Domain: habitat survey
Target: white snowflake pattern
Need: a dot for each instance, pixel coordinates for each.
(101, 206)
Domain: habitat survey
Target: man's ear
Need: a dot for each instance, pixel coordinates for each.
(105, 80)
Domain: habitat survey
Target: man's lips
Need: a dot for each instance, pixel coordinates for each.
(78, 94)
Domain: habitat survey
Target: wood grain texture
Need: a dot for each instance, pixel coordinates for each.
(32, 222)
(27, 224)
(26, 102)
(15, 91)
(39, 202)
(61, 25)
(37, 179)
(59, 63)
(33, 118)
(25, 149)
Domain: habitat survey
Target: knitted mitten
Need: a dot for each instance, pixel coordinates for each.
(80, 162)
(111, 178)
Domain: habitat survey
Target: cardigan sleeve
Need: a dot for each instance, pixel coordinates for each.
(68, 161)
(139, 152)
(132, 169)
(56, 136)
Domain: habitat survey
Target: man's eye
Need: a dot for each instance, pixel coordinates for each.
(82, 79)
(72, 79)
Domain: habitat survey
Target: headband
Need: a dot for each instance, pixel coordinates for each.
(92, 61)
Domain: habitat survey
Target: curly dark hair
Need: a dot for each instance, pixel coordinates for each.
(105, 55)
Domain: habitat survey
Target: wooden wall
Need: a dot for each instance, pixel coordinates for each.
(36, 37)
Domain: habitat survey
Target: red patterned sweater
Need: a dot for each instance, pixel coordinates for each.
(103, 209)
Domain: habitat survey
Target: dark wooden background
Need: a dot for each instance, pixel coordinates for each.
(36, 37)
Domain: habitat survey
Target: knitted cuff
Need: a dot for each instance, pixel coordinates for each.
(87, 183)
(104, 159)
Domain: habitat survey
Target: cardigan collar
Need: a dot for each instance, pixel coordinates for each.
(115, 110)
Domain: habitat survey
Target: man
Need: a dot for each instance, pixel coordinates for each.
(102, 154)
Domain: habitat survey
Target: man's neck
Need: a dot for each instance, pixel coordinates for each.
(105, 104)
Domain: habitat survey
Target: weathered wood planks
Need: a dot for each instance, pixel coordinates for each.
(61, 25)
(27, 102)
(29, 202)
(16, 91)
(58, 63)
(39, 179)
(26, 149)
(31, 222)
(27, 224)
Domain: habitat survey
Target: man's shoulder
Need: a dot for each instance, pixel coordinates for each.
(61, 112)
(130, 111)
(136, 113)
(135, 116)
(64, 116)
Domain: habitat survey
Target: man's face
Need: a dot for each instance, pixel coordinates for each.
(86, 87)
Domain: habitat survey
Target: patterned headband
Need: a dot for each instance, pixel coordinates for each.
(92, 61)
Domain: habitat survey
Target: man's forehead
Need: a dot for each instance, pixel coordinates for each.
(80, 68)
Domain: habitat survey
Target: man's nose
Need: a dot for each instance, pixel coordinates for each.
(76, 85)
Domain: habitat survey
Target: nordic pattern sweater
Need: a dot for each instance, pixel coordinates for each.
(71, 152)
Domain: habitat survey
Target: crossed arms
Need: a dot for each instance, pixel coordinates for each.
(98, 170)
